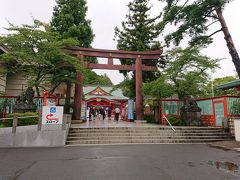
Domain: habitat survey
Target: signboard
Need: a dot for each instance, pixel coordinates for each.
(84, 111)
(52, 115)
(130, 108)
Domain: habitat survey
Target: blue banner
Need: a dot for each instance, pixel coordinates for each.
(130, 108)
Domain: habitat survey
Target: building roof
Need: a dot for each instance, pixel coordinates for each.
(229, 85)
(103, 92)
(3, 48)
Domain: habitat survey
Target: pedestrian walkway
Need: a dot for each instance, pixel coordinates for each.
(98, 123)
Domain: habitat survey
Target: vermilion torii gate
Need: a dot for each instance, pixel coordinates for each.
(110, 54)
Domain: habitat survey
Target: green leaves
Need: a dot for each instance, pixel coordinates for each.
(37, 53)
(138, 33)
(193, 19)
(186, 73)
(69, 20)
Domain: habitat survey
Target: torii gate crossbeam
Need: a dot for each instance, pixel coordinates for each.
(110, 54)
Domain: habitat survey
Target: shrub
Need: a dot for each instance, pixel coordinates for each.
(22, 121)
(150, 118)
(175, 120)
(1, 125)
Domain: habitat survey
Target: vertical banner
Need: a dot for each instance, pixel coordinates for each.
(84, 111)
(130, 108)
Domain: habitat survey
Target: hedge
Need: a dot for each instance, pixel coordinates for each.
(22, 121)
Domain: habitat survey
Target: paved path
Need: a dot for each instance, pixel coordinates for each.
(123, 162)
(98, 122)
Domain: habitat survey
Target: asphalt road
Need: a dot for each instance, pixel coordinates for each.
(117, 162)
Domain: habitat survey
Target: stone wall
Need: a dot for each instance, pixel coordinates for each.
(231, 126)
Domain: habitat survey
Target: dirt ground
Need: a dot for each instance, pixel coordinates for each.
(227, 145)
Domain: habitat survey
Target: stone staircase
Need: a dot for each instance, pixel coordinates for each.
(145, 135)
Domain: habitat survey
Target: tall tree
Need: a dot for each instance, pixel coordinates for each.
(92, 78)
(69, 19)
(194, 18)
(185, 74)
(37, 53)
(138, 33)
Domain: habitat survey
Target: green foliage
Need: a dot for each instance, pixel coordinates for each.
(4, 103)
(90, 77)
(23, 121)
(69, 19)
(186, 73)
(150, 119)
(128, 87)
(138, 33)
(37, 53)
(193, 19)
(211, 86)
(175, 120)
(158, 88)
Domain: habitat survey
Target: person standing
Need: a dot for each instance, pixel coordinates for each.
(109, 113)
(103, 113)
(117, 111)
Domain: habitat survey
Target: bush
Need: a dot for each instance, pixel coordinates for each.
(150, 118)
(175, 120)
(22, 121)
(1, 125)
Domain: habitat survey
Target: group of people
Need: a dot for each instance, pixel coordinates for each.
(102, 113)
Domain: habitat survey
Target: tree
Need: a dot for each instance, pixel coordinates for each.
(37, 53)
(186, 73)
(138, 33)
(211, 87)
(194, 20)
(159, 88)
(69, 19)
(92, 78)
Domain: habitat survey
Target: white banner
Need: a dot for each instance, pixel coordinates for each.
(52, 115)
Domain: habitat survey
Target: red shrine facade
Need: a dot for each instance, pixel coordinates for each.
(104, 97)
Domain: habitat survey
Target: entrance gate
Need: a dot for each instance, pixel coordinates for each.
(81, 53)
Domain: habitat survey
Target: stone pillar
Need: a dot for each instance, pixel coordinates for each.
(78, 94)
(139, 99)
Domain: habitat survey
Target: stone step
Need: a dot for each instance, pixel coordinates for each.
(162, 134)
(147, 137)
(149, 128)
(141, 133)
(146, 131)
(142, 141)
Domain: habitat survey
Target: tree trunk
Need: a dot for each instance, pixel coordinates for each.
(68, 98)
(232, 50)
(37, 91)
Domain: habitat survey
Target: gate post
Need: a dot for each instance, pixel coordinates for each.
(139, 99)
(78, 94)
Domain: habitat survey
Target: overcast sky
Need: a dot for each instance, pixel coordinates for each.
(106, 15)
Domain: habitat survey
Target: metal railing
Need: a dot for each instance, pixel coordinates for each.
(169, 122)
(66, 120)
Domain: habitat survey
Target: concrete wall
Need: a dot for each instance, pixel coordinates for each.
(28, 136)
(15, 84)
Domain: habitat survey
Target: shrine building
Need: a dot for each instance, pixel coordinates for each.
(104, 96)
